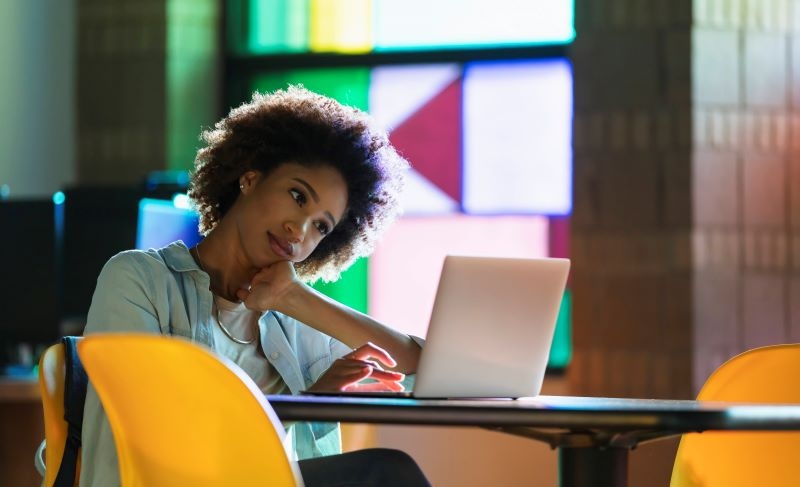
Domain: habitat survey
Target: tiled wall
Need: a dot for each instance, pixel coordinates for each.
(746, 137)
(121, 89)
(631, 224)
(685, 237)
(147, 72)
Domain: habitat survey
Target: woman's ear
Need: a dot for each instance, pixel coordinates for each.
(247, 180)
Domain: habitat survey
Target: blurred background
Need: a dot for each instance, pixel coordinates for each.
(651, 141)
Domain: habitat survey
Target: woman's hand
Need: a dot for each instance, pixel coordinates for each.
(269, 287)
(347, 372)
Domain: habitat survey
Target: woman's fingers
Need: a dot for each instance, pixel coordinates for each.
(243, 294)
(371, 351)
(348, 373)
(385, 375)
(375, 386)
(381, 380)
(369, 369)
(268, 287)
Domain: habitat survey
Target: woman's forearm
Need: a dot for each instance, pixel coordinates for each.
(349, 326)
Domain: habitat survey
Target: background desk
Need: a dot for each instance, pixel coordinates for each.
(593, 435)
(21, 430)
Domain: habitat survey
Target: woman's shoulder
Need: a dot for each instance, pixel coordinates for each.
(151, 261)
(134, 259)
(176, 253)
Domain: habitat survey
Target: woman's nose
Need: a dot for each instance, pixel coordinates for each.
(296, 230)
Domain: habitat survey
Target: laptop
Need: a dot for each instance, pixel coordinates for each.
(490, 330)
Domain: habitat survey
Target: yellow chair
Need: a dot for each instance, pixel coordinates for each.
(730, 459)
(52, 372)
(182, 415)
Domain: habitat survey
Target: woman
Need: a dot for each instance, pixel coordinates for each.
(290, 187)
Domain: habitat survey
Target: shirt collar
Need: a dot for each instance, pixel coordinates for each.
(178, 258)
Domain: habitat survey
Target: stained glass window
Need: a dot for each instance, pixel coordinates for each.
(359, 26)
(485, 122)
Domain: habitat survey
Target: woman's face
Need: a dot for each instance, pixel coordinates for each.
(286, 214)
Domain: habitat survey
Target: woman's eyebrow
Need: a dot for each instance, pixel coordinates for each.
(315, 197)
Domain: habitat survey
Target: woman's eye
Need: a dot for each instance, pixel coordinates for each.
(298, 196)
(323, 228)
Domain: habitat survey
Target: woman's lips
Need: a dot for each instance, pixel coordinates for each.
(281, 248)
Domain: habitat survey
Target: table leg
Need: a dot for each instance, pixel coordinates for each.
(596, 467)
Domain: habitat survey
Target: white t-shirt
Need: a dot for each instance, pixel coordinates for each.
(242, 323)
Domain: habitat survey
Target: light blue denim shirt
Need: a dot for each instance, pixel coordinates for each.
(164, 291)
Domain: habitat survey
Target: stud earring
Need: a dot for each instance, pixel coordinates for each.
(241, 187)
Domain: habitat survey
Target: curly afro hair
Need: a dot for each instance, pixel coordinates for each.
(297, 125)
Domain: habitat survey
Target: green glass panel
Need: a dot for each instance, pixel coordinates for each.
(561, 350)
(191, 62)
(277, 26)
(350, 288)
(349, 86)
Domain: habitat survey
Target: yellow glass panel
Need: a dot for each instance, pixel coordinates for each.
(343, 26)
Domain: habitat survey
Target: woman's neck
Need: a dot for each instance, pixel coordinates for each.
(222, 261)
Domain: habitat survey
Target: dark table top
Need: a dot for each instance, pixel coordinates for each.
(586, 421)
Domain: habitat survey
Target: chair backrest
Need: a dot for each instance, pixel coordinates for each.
(182, 415)
(763, 375)
(54, 387)
(52, 371)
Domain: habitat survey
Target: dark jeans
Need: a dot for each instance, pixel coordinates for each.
(374, 467)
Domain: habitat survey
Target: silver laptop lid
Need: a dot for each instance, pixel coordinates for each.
(491, 327)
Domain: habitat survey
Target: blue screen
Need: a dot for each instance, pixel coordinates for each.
(161, 222)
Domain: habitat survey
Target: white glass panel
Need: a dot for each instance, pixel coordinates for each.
(439, 23)
(517, 137)
(421, 197)
(395, 92)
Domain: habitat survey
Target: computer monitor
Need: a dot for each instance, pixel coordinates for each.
(99, 222)
(161, 222)
(29, 292)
